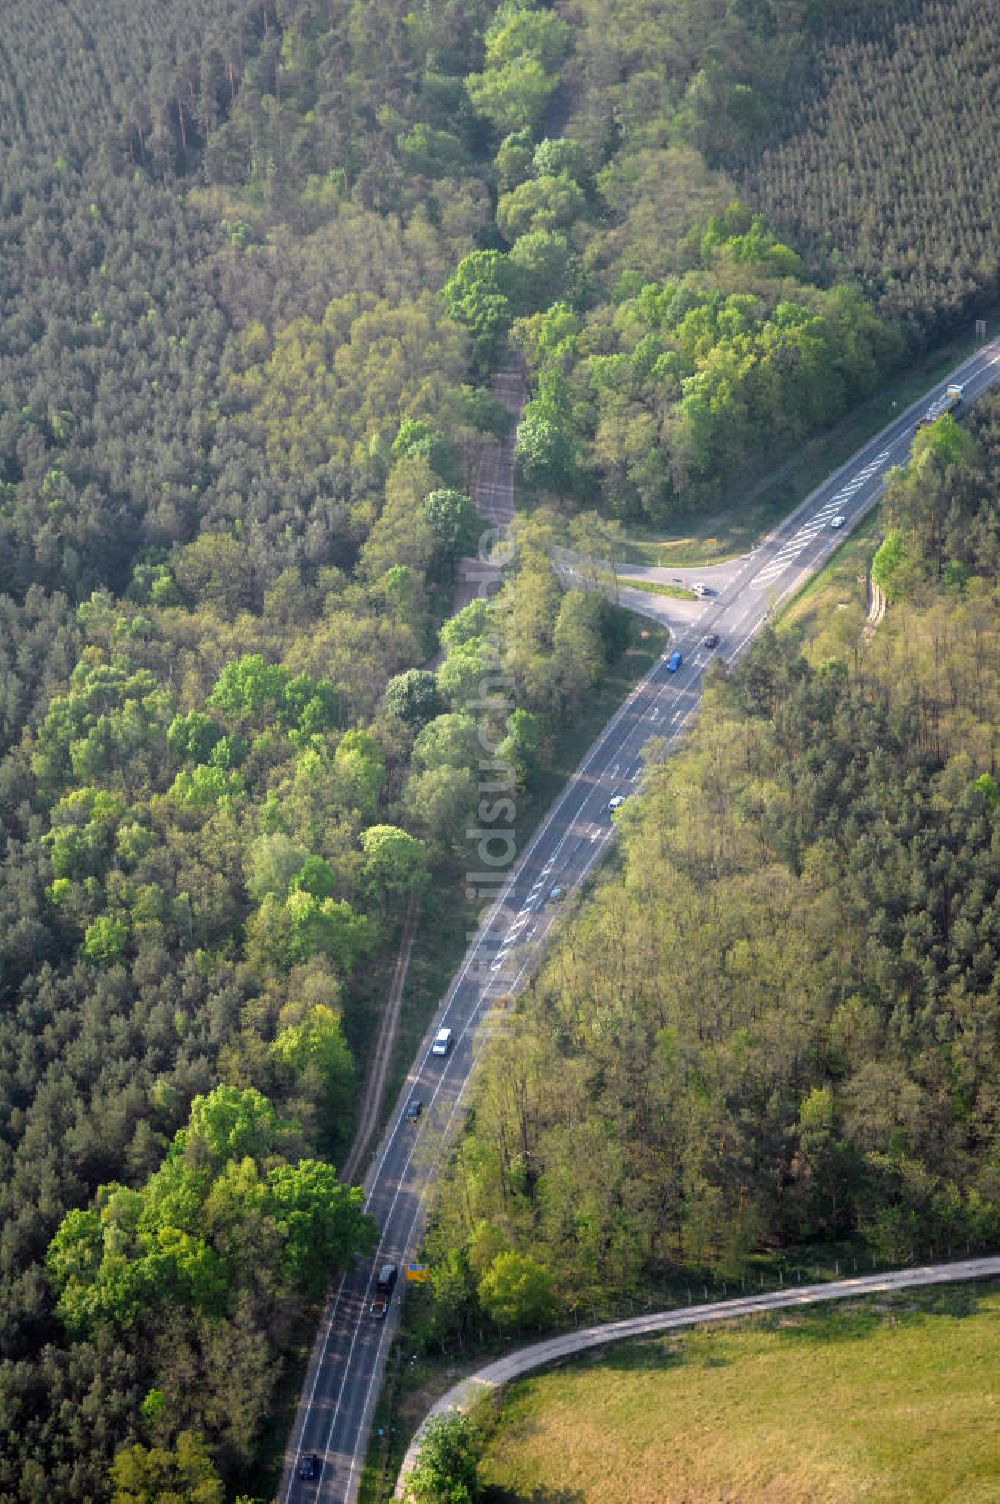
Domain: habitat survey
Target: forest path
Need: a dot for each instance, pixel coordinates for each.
(492, 495)
(494, 500)
(371, 1101)
(494, 488)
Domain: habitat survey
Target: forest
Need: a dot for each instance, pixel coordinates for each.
(886, 168)
(776, 1026)
(258, 262)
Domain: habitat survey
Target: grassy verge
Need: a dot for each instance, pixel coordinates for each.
(828, 612)
(653, 587)
(263, 1474)
(891, 1399)
(415, 1377)
(574, 740)
(421, 1369)
(742, 518)
(447, 917)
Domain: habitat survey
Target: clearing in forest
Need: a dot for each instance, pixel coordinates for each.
(884, 1400)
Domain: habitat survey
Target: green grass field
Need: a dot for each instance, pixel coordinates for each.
(884, 1401)
(828, 614)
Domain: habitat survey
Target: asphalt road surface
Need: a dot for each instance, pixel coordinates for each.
(495, 481)
(345, 1371)
(542, 1354)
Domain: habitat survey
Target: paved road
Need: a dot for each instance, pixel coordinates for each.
(345, 1371)
(541, 1354)
(495, 481)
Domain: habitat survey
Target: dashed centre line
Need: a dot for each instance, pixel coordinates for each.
(819, 520)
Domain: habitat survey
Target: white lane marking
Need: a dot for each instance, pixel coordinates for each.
(814, 524)
(474, 951)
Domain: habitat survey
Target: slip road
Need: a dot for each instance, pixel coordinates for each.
(345, 1371)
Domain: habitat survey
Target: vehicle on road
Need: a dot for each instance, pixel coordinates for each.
(711, 641)
(838, 521)
(384, 1286)
(442, 1042)
(556, 892)
(616, 802)
(414, 1108)
(946, 403)
(701, 590)
(351, 1347)
(309, 1466)
(674, 662)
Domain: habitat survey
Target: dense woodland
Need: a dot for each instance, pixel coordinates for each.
(887, 166)
(777, 1025)
(258, 259)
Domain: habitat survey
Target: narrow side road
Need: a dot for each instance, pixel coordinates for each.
(371, 1105)
(494, 500)
(541, 1354)
(522, 905)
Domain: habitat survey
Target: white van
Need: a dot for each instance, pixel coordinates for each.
(442, 1042)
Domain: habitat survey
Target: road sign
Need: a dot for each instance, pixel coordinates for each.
(418, 1273)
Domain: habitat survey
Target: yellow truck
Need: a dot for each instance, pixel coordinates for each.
(946, 403)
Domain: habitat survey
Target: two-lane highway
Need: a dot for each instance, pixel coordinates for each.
(345, 1371)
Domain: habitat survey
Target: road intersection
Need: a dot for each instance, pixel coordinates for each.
(345, 1371)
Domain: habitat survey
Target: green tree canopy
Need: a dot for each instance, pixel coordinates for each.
(473, 620)
(105, 940)
(546, 203)
(222, 1211)
(446, 1463)
(455, 526)
(413, 696)
(395, 862)
(479, 296)
(162, 1475)
(516, 1291)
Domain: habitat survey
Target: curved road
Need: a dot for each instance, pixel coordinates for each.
(541, 1354)
(348, 1359)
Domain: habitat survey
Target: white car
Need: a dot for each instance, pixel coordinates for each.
(616, 802)
(701, 590)
(838, 521)
(442, 1042)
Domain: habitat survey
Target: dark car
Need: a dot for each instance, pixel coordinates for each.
(309, 1466)
(414, 1108)
(384, 1286)
(712, 640)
